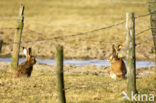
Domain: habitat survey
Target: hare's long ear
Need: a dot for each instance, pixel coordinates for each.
(28, 54)
(24, 51)
(118, 49)
(113, 50)
(29, 51)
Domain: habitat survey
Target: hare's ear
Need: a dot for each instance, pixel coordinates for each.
(29, 51)
(118, 49)
(24, 51)
(113, 49)
(23, 48)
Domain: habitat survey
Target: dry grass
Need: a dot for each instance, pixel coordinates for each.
(72, 17)
(89, 84)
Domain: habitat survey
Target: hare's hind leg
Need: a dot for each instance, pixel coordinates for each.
(20, 75)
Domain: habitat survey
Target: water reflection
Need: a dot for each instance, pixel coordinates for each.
(82, 62)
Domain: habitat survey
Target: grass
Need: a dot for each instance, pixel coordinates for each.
(59, 18)
(80, 88)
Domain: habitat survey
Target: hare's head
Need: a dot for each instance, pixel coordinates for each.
(32, 60)
(114, 55)
(29, 57)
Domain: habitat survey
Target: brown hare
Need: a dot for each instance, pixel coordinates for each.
(24, 69)
(118, 67)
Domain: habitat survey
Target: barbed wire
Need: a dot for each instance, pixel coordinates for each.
(93, 85)
(32, 31)
(78, 34)
(65, 25)
(130, 2)
(8, 18)
(141, 23)
(60, 37)
(126, 2)
(71, 25)
(66, 89)
(142, 32)
(26, 95)
(144, 15)
(47, 24)
(7, 28)
(149, 38)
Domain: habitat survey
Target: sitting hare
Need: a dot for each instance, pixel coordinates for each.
(24, 69)
(118, 67)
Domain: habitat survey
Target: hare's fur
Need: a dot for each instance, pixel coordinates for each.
(118, 67)
(25, 68)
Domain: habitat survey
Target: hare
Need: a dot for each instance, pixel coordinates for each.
(118, 67)
(24, 69)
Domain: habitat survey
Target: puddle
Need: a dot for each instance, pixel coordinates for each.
(82, 62)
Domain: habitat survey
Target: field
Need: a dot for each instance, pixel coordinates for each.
(48, 23)
(88, 84)
(51, 19)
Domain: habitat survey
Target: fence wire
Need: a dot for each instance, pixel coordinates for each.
(142, 32)
(80, 34)
(69, 25)
(103, 84)
(9, 18)
(27, 95)
(126, 2)
(145, 41)
(130, 2)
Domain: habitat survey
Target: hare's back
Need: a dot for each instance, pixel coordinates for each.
(24, 68)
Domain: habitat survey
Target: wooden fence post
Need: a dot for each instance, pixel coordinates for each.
(152, 10)
(60, 77)
(1, 43)
(17, 39)
(131, 60)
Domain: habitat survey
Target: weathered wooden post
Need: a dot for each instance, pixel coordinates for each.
(131, 60)
(60, 76)
(152, 10)
(17, 39)
(1, 43)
